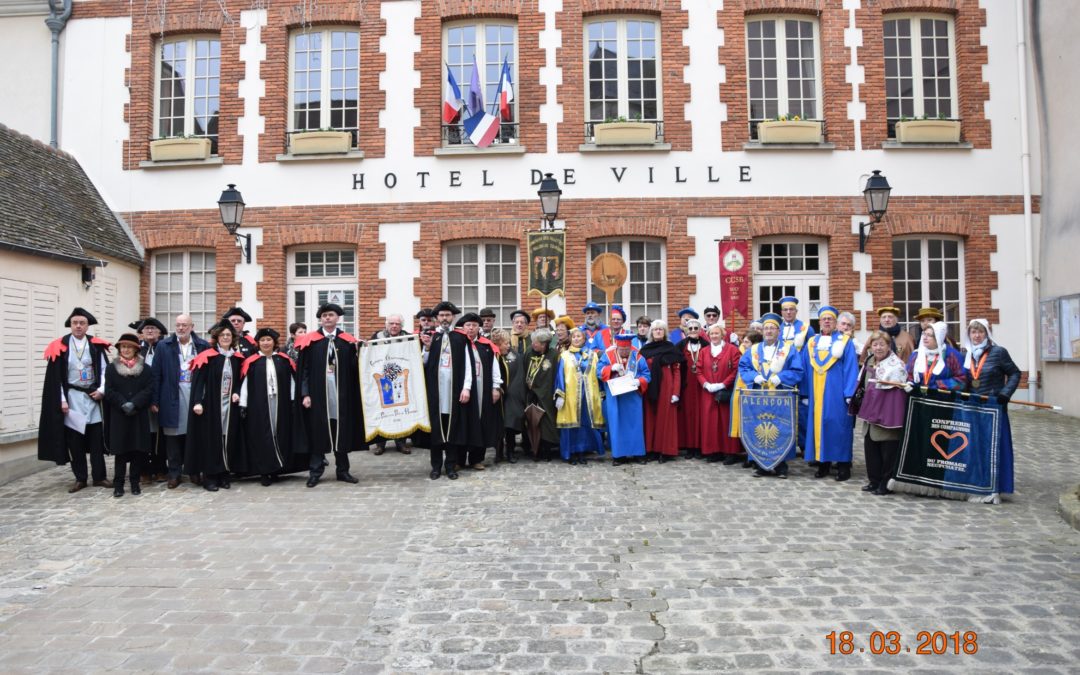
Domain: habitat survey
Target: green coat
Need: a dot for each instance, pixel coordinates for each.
(541, 390)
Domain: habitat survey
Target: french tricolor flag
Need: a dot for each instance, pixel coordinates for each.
(452, 102)
(506, 91)
(482, 128)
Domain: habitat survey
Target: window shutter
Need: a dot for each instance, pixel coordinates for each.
(30, 320)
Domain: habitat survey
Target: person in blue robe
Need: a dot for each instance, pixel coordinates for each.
(577, 400)
(624, 414)
(830, 382)
(772, 364)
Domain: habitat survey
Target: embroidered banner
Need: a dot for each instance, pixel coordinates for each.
(768, 424)
(951, 448)
(734, 280)
(392, 387)
(547, 261)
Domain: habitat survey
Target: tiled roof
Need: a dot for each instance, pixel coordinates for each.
(49, 207)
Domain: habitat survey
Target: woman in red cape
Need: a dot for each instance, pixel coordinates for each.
(716, 375)
(662, 397)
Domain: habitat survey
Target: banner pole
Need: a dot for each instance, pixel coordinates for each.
(1032, 404)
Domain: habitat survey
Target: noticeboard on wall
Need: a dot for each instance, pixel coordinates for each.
(1069, 322)
(1049, 330)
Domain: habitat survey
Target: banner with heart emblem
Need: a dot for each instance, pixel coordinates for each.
(951, 448)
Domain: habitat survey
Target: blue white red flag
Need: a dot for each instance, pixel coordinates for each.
(482, 128)
(506, 91)
(452, 101)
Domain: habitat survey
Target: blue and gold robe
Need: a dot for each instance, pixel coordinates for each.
(830, 381)
(624, 415)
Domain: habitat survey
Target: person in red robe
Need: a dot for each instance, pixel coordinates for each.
(716, 375)
(665, 362)
(691, 347)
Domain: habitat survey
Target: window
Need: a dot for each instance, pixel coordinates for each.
(189, 80)
(920, 69)
(489, 44)
(927, 273)
(783, 69)
(644, 284)
(325, 83)
(791, 266)
(622, 64)
(319, 276)
(185, 282)
(480, 275)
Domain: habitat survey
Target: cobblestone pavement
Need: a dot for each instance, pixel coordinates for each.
(540, 567)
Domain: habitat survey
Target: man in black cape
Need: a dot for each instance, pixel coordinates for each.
(274, 436)
(73, 389)
(239, 318)
(448, 374)
(330, 394)
(486, 391)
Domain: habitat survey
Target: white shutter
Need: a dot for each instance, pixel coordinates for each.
(30, 320)
(104, 309)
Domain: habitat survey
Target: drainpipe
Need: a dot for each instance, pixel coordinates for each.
(59, 12)
(1025, 169)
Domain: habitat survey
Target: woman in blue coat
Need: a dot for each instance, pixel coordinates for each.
(993, 374)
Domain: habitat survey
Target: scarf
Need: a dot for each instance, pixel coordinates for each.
(923, 355)
(661, 353)
(975, 351)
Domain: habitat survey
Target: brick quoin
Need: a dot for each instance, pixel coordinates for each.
(356, 226)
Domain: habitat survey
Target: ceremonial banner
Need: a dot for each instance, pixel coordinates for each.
(734, 280)
(951, 448)
(768, 424)
(392, 387)
(547, 259)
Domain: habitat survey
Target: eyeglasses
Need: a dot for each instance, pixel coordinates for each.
(693, 328)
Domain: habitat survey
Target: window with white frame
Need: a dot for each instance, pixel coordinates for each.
(188, 85)
(920, 68)
(324, 86)
(317, 276)
(622, 69)
(928, 272)
(482, 274)
(184, 282)
(783, 69)
(644, 285)
(488, 45)
(791, 266)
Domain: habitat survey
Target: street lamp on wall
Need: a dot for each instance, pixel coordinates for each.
(231, 206)
(876, 192)
(549, 198)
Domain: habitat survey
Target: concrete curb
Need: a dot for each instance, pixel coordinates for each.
(1069, 506)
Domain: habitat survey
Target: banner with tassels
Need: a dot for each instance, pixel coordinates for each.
(392, 387)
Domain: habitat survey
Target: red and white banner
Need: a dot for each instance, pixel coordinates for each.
(734, 277)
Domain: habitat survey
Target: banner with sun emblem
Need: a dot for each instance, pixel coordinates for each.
(768, 425)
(392, 387)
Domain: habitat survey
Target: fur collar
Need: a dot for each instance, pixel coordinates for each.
(133, 371)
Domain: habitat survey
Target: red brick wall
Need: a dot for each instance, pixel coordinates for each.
(586, 220)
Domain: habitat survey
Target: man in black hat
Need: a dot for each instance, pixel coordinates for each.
(150, 331)
(448, 371)
(486, 391)
(330, 394)
(425, 319)
(487, 322)
(239, 318)
(70, 424)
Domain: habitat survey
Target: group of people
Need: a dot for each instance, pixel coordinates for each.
(236, 405)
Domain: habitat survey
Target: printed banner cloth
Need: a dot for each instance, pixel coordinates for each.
(392, 387)
(768, 424)
(951, 448)
(734, 277)
(547, 261)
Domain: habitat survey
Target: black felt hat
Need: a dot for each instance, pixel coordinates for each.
(236, 311)
(79, 311)
(446, 306)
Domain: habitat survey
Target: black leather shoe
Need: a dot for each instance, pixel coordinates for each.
(118, 491)
(713, 458)
(347, 478)
(312, 481)
(821, 472)
(210, 487)
(435, 475)
(510, 458)
(760, 473)
(266, 481)
(731, 459)
(748, 464)
(782, 476)
(882, 491)
(869, 487)
(452, 475)
(225, 485)
(842, 475)
(136, 489)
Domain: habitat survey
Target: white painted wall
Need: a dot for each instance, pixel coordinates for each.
(705, 263)
(25, 67)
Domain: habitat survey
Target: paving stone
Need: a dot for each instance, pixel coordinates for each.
(540, 567)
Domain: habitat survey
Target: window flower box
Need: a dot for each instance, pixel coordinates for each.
(179, 149)
(624, 133)
(790, 131)
(319, 142)
(928, 131)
